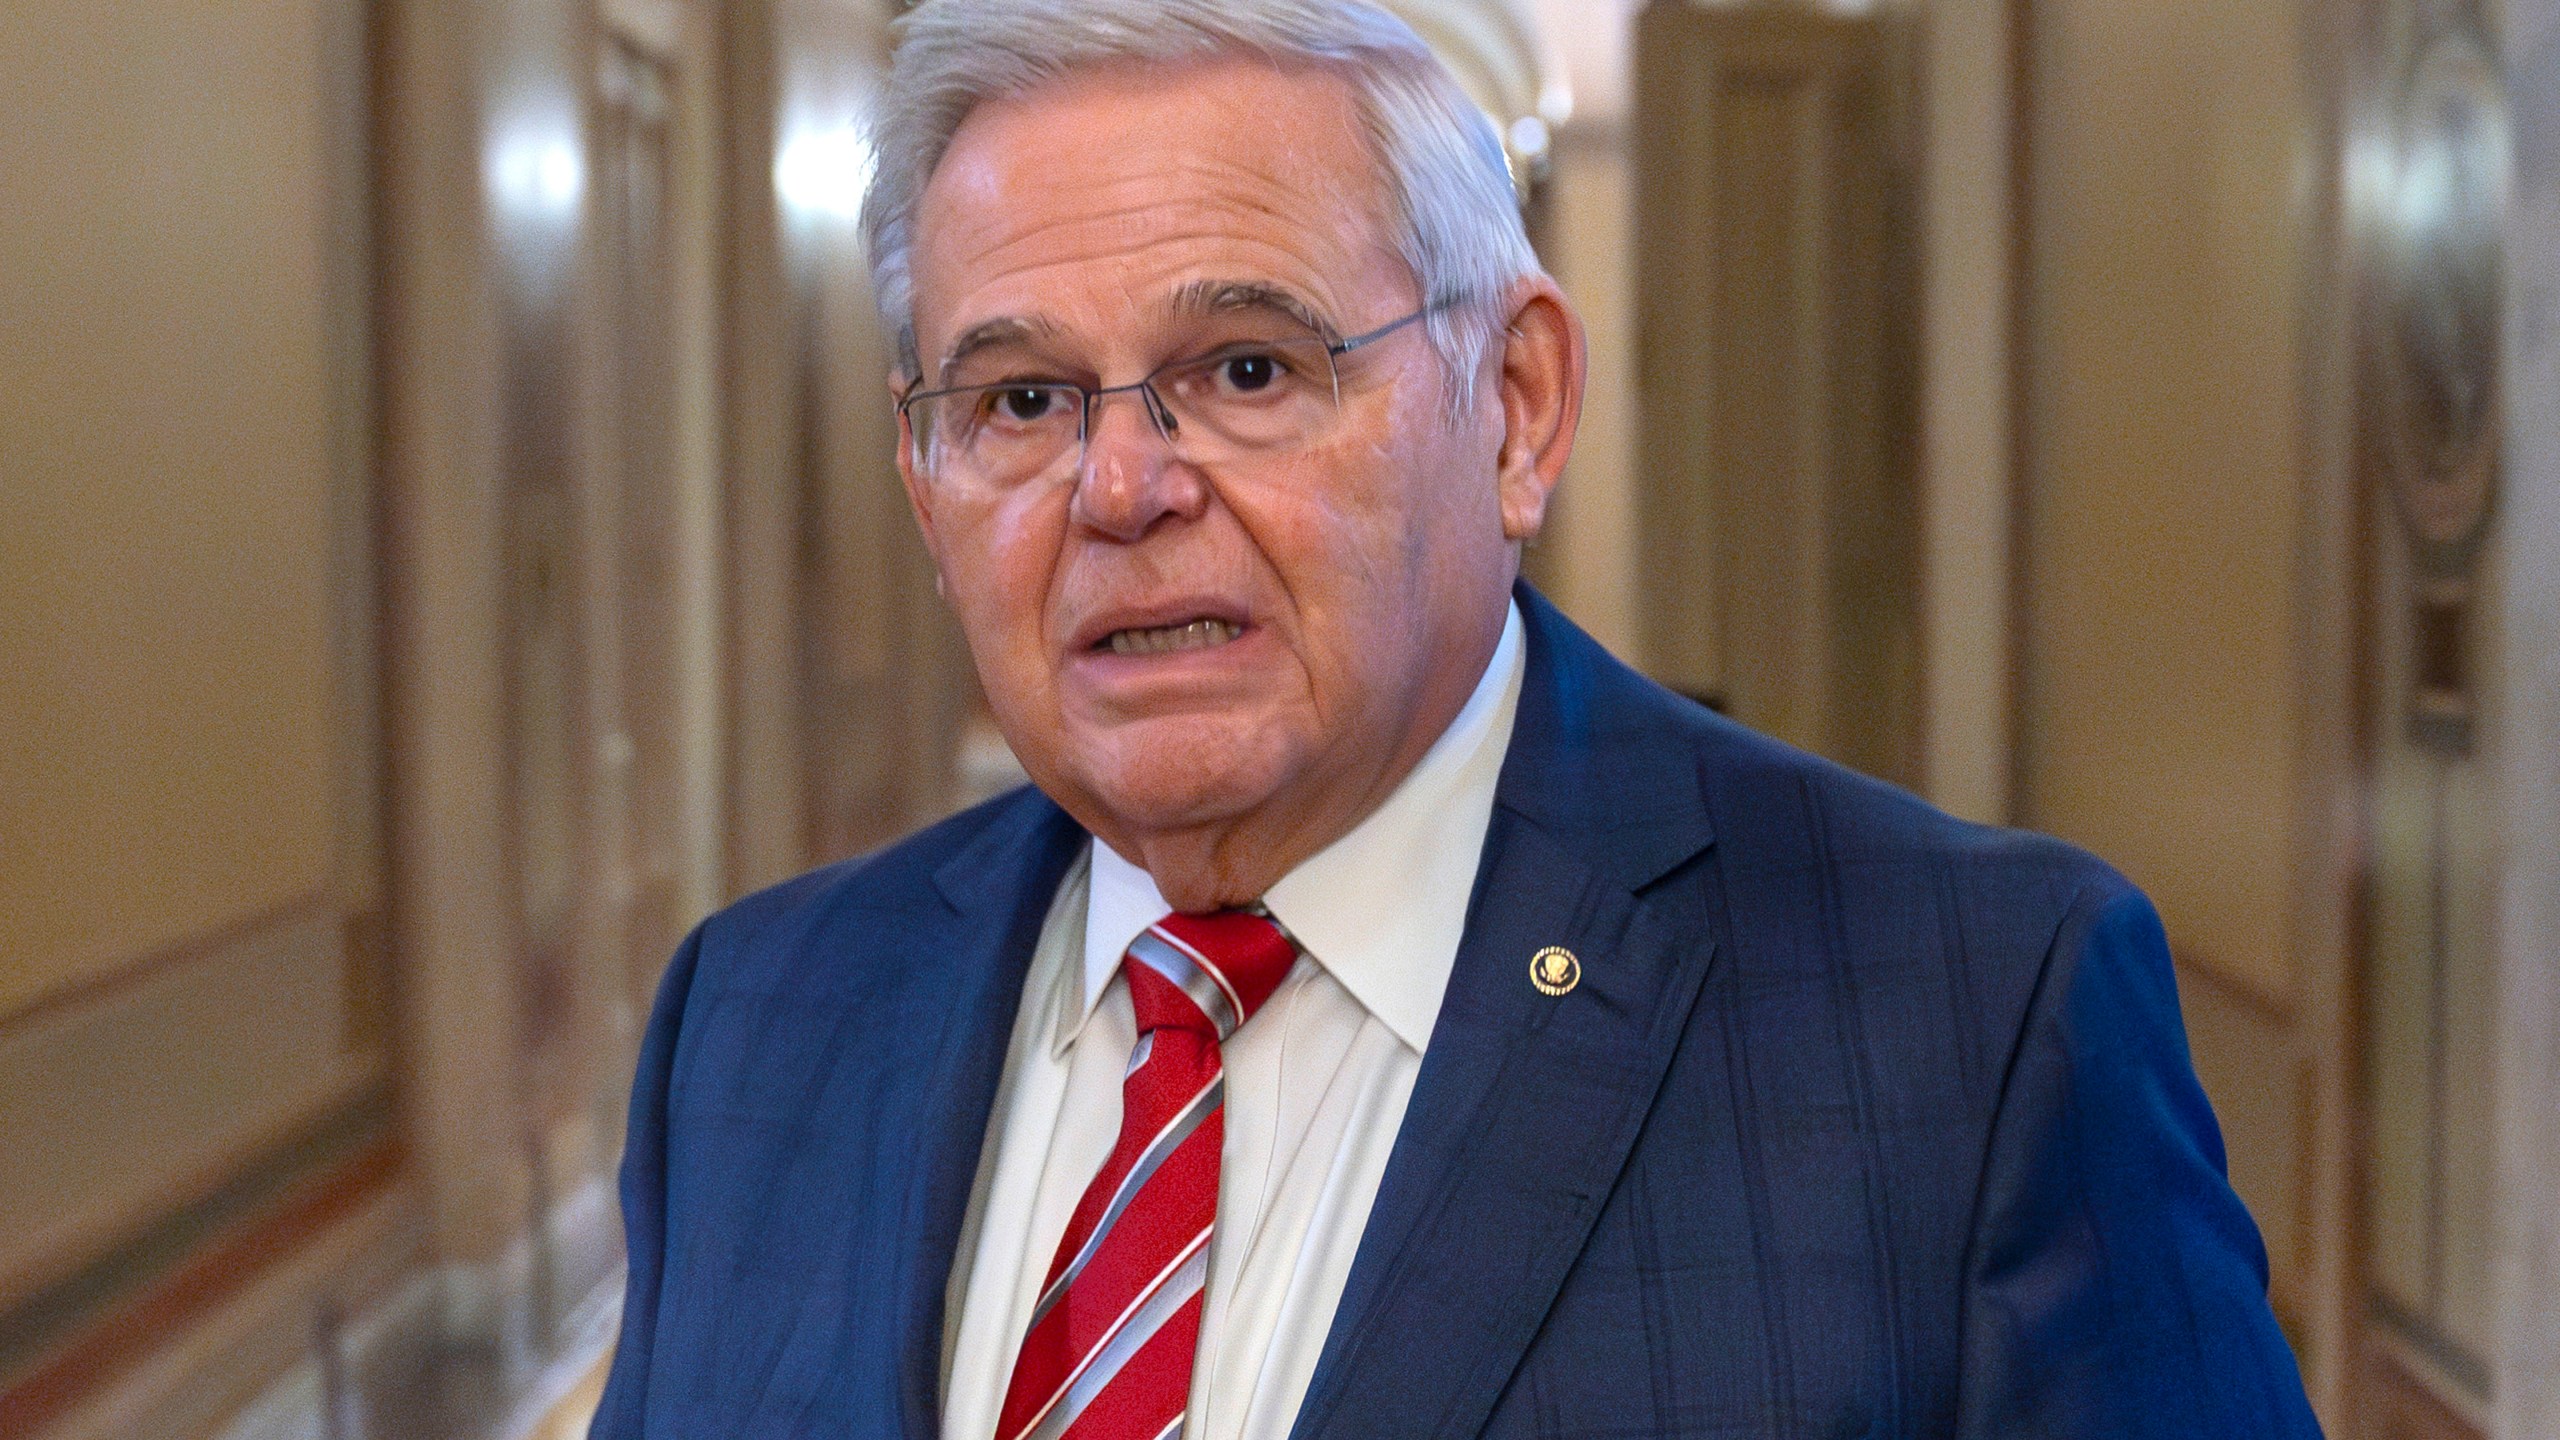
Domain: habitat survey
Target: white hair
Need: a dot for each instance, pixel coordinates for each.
(1453, 214)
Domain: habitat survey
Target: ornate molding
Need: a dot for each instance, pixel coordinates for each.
(1496, 51)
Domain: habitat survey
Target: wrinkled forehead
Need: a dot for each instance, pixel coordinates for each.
(1101, 202)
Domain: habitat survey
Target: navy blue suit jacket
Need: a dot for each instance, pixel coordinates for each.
(1861, 1122)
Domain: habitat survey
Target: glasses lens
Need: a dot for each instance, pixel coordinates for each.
(1250, 395)
(996, 435)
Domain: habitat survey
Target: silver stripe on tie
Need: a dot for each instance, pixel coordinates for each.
(1166, 1141)
(1181, 967)
(1149, 1314)
(1206, 964)
(1173, 1427)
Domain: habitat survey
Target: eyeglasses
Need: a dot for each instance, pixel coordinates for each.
(1263, 389)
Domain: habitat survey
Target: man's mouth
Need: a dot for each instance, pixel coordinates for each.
(1165, 639)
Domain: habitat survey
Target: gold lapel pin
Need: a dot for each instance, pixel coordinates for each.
(1555, 971)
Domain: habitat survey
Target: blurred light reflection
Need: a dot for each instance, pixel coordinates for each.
(822, 173)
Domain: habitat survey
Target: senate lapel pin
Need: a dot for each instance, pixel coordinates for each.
(1555, 971)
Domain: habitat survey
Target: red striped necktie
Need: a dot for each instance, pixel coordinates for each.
(1108, 1353)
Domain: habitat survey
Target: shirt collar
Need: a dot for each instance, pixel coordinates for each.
(1382, 908)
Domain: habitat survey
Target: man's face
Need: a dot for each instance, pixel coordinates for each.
(1358, 579)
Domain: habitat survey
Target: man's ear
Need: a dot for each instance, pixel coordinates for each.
(1544, 361)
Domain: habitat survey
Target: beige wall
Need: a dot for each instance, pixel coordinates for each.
(2184, 661)
(191, 999)
(1588, 551)
(1968, 259)
(1589, 546)
(167, 738)
(2164, 465)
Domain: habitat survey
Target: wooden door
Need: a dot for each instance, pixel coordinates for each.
(2427, 225)
(1775, 368)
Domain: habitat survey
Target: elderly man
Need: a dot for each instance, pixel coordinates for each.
(1389, 1015)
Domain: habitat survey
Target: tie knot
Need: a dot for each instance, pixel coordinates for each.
(1207, 973)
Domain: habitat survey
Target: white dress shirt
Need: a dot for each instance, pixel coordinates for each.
(1316, 1086)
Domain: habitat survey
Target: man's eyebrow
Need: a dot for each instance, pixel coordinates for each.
(1225, 297)
(986, 334)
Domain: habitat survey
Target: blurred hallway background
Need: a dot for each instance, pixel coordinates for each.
(448, 544)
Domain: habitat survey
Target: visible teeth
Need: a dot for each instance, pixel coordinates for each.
(1194, 636)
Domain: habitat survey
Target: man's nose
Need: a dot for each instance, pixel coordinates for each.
(1132, 477)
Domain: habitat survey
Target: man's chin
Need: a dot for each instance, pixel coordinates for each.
(1162, 800)
(1174, 778)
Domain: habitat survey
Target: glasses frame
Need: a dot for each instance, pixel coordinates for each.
(1145, 388)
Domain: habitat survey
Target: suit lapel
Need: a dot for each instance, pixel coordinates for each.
(999, 890)
(1527, 1104)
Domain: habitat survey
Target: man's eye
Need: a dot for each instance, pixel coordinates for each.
(1250, 373)
(1025, 404)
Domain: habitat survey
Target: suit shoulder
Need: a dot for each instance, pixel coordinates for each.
(901, 878)
(1835, 815)
(1608, 754)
